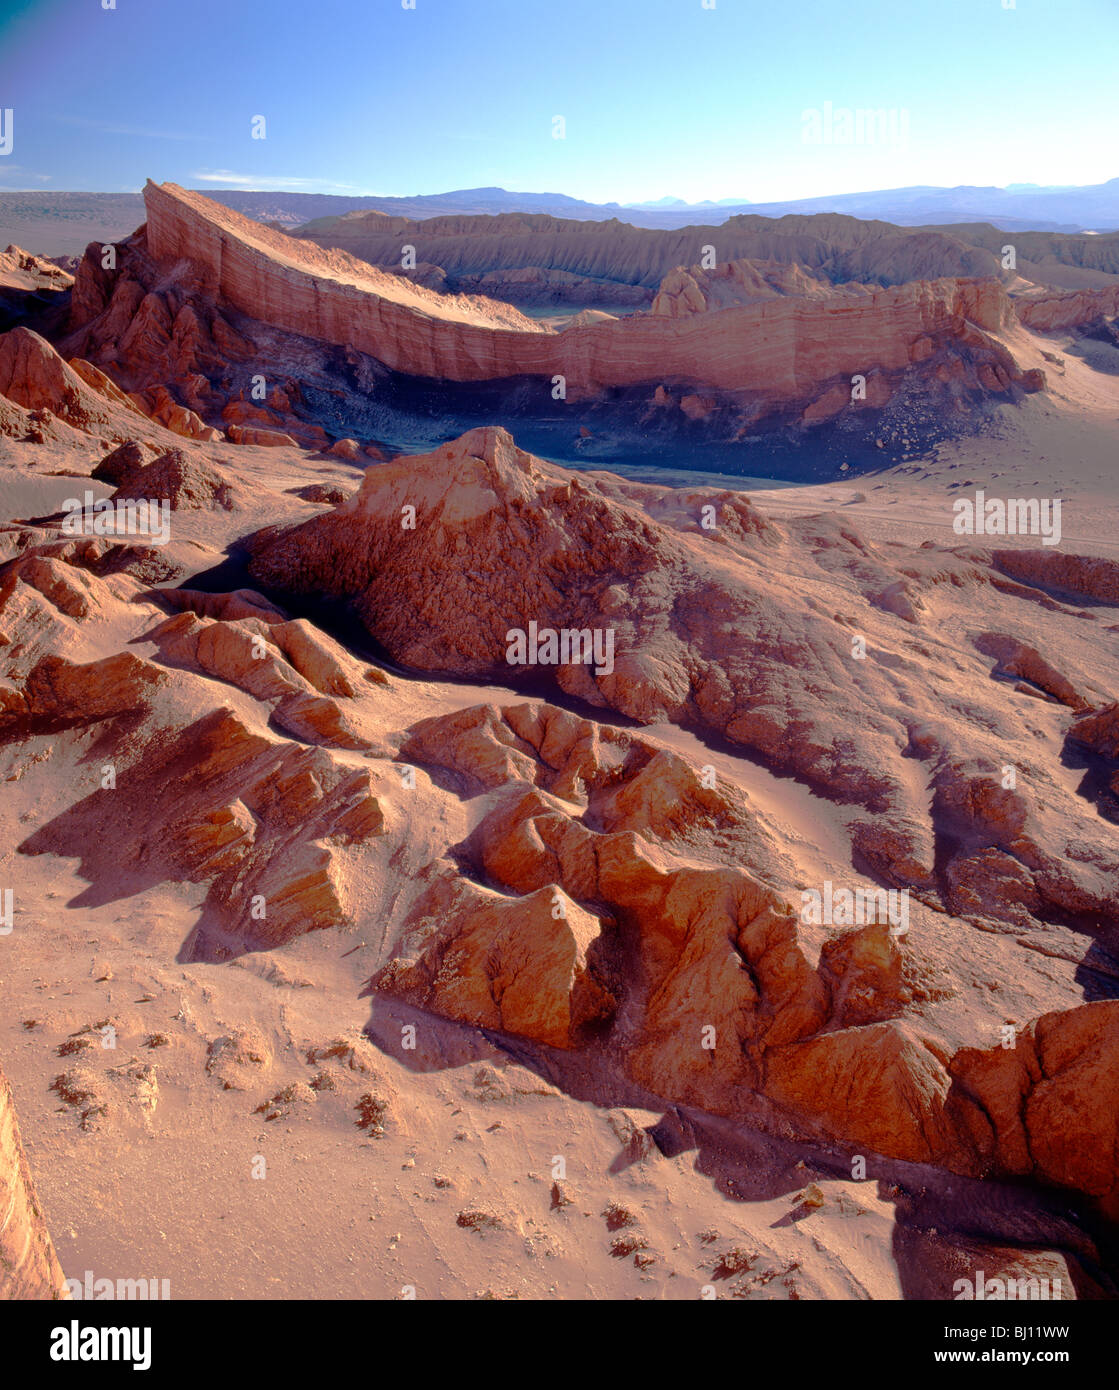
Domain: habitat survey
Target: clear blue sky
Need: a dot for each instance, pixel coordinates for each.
(659, 96)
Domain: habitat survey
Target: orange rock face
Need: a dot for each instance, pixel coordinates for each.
(34, 376)
(880, 1086)
(1049, 1106)
(29, 1267)
(1049, 312)
(782, 346)
(519, 965)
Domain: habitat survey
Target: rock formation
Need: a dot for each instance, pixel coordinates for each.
(760, 347)
(1053, 310)
(779, 342)
(714, 950)
(607, 256)
(591, 555)
(33, 375)
(29, 1267)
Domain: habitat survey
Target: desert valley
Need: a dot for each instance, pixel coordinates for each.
(558, 747)
(496, 877)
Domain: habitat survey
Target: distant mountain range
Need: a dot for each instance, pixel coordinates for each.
(1018, 207)
(56, 224)
(670, 203)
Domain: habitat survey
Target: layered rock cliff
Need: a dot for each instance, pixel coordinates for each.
(784, 347)
(1051, 312)
(615, 253)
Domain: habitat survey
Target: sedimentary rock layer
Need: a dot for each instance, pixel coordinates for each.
(615, 253)
(784, 346)
(1052, 312)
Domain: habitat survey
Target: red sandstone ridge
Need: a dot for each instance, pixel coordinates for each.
(784, 348)
(29, 1267)
(32, 375)
(45, 398)
(1047, 311)
(274, 277)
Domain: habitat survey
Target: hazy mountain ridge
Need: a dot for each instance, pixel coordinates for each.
(62, 223)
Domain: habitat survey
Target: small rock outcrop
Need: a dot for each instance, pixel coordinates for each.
(29, 1267)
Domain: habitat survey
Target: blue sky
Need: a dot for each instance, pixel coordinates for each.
(659, 96)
